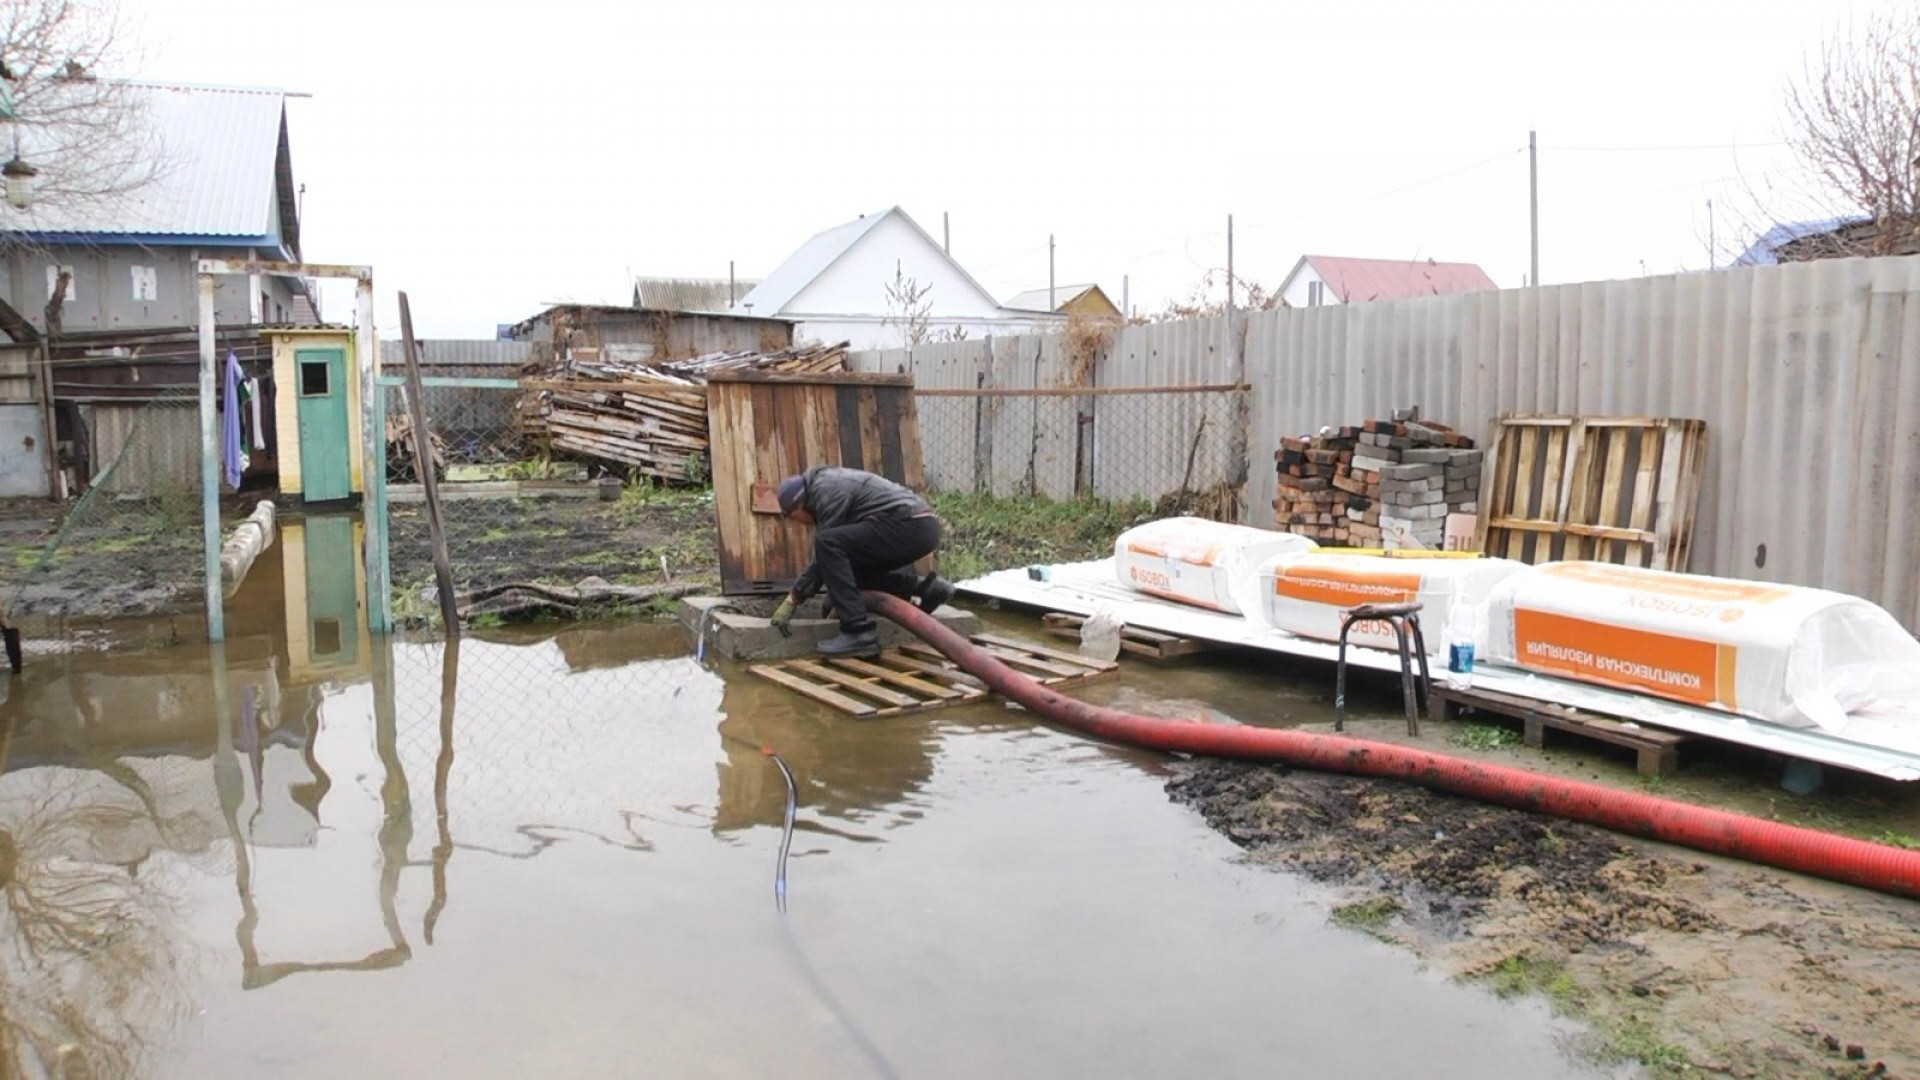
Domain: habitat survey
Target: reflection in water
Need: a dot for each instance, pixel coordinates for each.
(91, 960)
(845, 768)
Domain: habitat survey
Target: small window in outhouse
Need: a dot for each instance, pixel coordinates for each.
(313, 378)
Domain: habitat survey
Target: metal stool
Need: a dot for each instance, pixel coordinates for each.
(1405, 620)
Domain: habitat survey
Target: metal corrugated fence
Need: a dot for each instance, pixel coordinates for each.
(1808, 376)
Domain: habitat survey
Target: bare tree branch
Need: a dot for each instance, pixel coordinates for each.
(1853, 120)
(88, 136)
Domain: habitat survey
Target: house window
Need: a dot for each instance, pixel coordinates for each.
(53, 281)
(146, 283)
(314, 380)
(1316, 293)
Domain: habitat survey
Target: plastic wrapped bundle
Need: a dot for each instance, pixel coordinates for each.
(1209, 564)
(1306, 594)
(1782, 653)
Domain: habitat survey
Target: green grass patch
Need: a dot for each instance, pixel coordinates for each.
(1612, 1040)
(989, 532)
(1371, 915)
(1520, 975)
(1485, 737)
(1898, 839)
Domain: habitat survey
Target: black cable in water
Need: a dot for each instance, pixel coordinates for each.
(852, 1025)
(786, 832)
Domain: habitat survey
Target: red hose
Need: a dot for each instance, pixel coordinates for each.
(1809, 851)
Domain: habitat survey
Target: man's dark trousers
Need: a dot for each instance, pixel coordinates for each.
(873, 553)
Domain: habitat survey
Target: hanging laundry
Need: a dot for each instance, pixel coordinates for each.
(231, 455)
(253, 404)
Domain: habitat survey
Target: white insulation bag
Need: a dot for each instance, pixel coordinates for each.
(1782, 653)
(1306, 594)
(1209, 564)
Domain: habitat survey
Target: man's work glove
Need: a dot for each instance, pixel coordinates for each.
(783, 615)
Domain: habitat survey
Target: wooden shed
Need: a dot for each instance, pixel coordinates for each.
(763, 427)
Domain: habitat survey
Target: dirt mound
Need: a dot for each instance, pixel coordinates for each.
(1680, 962)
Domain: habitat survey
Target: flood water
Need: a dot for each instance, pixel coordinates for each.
(565, 865)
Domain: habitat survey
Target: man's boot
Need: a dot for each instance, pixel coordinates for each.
(852, 643)
(933, 592)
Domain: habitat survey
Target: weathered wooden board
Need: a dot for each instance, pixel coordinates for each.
(915, 678)
(1141, 642)
(1610, 489)
(765, 427)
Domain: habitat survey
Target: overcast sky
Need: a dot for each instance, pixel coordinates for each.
(488, 164)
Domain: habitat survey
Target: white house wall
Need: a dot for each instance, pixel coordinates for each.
(1296, 294)
(848, 301)
(102, 292)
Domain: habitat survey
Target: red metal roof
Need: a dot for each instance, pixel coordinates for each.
(1392, 279)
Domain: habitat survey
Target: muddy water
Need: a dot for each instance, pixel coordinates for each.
(566, 866)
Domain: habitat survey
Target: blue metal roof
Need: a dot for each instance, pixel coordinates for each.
(218, 160)
(1762, 251)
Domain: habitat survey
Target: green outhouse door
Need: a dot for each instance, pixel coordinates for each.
(333, 595)
(325, 461)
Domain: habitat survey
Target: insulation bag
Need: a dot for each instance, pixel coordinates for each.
(1307, 594)
(1208, 564)
(1781, 653)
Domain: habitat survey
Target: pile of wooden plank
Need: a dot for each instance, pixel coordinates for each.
(801, 359)
(645, 418)
(1385, 483)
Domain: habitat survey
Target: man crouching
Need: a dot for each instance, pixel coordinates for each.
(868, 532)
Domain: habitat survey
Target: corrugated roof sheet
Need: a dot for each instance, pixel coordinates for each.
(1354, 280)
(1036, 299)
(689, 294)
(1764, 251)
(772, 296)
(218, 150)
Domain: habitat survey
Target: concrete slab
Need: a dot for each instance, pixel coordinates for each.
(736, 627)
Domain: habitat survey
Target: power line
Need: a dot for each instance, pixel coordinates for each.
(1660, 149)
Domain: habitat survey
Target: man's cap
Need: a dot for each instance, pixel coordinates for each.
(792, 490)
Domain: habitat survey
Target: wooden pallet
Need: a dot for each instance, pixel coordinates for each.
(916, 678)
(1149, 643)
(1612, 489)
(1658, 749)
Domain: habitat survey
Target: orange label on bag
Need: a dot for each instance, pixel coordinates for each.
(1684, 669)
(1683, 586)
(1193, 555)
(1345, 587)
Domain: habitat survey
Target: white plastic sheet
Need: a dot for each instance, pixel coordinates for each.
(1209, 564)
(1781, 653)
(1306, 594)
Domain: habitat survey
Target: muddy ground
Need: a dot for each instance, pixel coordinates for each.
(562, 540)
(1688, 964)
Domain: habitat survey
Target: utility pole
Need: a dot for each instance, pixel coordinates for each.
(1713, 258)
(1533, 207)
(1050, 300)
(1126, 298)
(946, 234)
(1229, 264)
(730, 296)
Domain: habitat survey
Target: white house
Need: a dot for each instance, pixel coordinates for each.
(879, 282)
(1324, 279)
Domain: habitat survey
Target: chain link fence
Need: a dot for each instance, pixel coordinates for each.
(527, 529)
(1181, 449)
(132, 543)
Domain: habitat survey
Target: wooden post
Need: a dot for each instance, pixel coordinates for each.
(210, 465)
(49, 419)
(430, 484)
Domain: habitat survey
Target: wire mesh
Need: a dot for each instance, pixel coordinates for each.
(1171, 447)
(515, 514)
(132, 544)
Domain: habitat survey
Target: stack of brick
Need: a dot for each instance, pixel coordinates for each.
(1387, 483)
(1313, 499)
